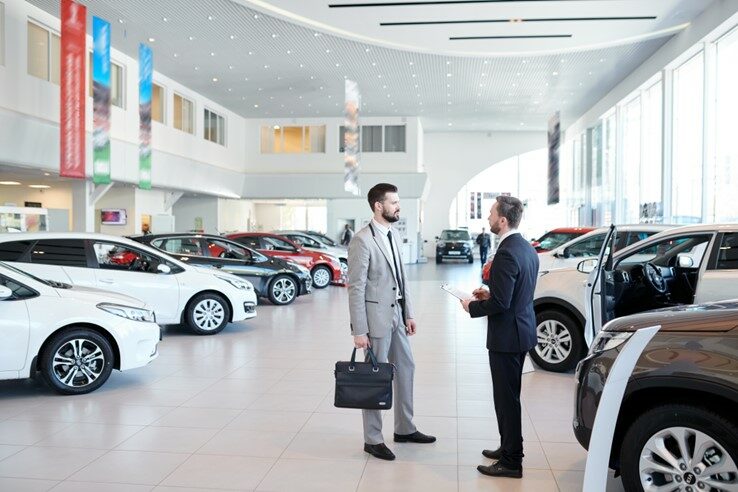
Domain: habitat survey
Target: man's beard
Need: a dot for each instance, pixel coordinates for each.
(495, 228)
(390, 218)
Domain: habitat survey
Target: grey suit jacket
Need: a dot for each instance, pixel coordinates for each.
(372, 288)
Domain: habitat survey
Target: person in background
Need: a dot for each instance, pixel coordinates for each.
(347, 235)
(484, 241)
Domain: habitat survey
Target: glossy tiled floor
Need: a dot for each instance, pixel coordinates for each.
(252, 409)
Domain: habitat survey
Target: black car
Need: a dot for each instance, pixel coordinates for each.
(676, 427)
(278, 280)
(455, 244)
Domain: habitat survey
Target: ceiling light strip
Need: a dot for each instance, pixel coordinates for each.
(530, 36)
(504, 21)
(431, 2)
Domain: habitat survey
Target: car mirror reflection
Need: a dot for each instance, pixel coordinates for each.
(587, 266)
(5, 293)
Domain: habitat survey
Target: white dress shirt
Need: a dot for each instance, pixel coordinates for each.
(508, 234)
(382, 230)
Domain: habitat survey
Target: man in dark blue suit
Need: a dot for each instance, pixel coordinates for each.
(511, 330)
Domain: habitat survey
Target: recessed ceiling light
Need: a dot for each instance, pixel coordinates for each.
(555, 74)
(197, 68)
(176, 55)
(602, 60)
(256, 105)
(165, 19)
(450, 124)
(276, 127)
(151, 40)
(289, 52)
(10, 183)
(312, 77)
(563, 60)
(302, 66)
(589, 73)
(367, 50)
(47, 174)
(522, 124)
(259, 89)
(232, 36)
(230, 67)
(374, 64)
(39, 187)
(338, 64)
(266, 66)
(327, 51)
(274, 35)
(212, 53)
(316, 34)
(210, 17)
(230, 90)
(256, 16)
(215, 79)
(525, 61)
(191, 38)
(379, 76)
(251, 52)
(448, 75)
(246, 79)
(486, 62)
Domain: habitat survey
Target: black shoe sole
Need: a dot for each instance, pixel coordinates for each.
(405, 439)
(380, 456)
(505, 474)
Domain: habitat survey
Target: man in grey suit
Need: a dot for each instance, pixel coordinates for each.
(382, 315)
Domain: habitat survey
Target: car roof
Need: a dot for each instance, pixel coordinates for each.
(697, 228)
(571, 230)
(151, 237)
(261, 234)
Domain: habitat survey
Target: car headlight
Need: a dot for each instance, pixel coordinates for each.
(132, 313)
(608, 340)
(237, 283)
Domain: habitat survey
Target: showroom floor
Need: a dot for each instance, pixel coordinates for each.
(251, 409)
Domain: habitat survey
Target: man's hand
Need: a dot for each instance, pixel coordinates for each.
(362, 342)
(410, 327)
(465, 304)
(481, 294)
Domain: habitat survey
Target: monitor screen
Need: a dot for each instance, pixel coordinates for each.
(113, 216)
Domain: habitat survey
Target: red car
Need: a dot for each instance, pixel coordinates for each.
(325, 269)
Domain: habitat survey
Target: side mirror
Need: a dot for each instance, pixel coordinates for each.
(566, 253)
(438, 238)
(5, 293)
(685, 261)
(587, 266)
(162, 268)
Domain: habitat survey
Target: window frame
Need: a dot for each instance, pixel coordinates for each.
(32, 292)
(2, 34)
(192, 120)
(163, 100)
(221, 135)
(49, 51)
(404, 138)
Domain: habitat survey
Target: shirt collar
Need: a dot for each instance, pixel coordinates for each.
(508, 234)
(382, 229)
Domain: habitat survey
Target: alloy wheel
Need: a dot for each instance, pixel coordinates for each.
(208, 314)
(78, 362)
(284, 290)
(554, 341)
(321, 278)
(685, 459)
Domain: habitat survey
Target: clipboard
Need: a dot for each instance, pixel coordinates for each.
(459, 294)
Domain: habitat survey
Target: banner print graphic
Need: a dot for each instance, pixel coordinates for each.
(145, 75)
(72, 89)
(554, 141)
(351, 152)
(101, 101)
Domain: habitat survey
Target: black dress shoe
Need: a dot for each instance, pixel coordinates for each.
(379, 451)
(498, 470)
(492, 454)
(416, 436)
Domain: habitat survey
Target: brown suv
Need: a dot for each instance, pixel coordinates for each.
(677, 428)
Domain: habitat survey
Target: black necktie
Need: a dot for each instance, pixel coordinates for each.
(398, 275)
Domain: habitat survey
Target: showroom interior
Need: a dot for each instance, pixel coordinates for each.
(177, 180)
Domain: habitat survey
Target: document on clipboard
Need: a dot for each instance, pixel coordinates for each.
(459, 294)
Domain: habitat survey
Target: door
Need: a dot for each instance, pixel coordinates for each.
(233, 258)
(720, 279)
(598, 287)
(282, 249)
(14, 327)
(133, 272)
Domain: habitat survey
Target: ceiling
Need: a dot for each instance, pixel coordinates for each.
(266, 63)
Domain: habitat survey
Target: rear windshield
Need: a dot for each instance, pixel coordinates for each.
(455, 236)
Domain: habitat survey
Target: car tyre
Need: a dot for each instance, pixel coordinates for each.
(207, 314)
(662, 430)
(322, 276)
(76, 361)
(283, 290)
(439, 260)
(471, 258)
(560, 341)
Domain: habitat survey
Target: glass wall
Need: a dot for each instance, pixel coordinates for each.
(725, 185)
(631, 162)
(651, 169)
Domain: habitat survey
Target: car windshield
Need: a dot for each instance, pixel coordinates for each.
(455, 236)
(552, 240)
(323, 239)
(28, 275)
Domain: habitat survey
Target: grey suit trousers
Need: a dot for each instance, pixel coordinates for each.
(394, 348)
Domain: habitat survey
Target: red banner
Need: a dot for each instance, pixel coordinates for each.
(72, 121)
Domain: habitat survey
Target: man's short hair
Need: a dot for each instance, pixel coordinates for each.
(511, 208)
(378, 192)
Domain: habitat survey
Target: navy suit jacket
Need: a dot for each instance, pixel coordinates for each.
(511, 320)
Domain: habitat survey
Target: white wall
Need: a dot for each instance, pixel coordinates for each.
(453, 158)
(118, 197)
(56, 197)
(187, 209)
(235, 215)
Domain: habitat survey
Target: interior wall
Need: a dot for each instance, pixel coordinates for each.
(188, 209)
(268, 216)
(236, 215)
(118, 197)
(56, 197)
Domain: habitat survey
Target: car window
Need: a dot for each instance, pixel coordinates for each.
(226, 249)
(455, 236)
(112, 256)
(728, 253)
(20, 291)
(553, 240)
(249, 241)
(304, 241)
(13, 250)
(61, 252)
(277, 244)
(180, 245)
(664, 252)
(590, 246)
(635, 236)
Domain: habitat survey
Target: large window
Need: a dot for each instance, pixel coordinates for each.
(214, 127)
(184, 114)
(117, 83)
(158, 96)
(43, 53)
(2, 33)
(686, 182)
(292, 139)
(394, 138)
(725, 173)
(631, 161)
(651, 205)
(371, 139)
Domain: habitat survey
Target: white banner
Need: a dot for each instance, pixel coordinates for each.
(351, 141)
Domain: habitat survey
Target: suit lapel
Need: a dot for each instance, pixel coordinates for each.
(380, 244)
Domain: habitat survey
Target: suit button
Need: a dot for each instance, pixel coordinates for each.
(394, 288)
(392, 305)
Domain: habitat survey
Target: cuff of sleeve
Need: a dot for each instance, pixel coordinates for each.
(475, 309)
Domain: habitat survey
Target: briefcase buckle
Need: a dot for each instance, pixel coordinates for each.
(351, 368)
(375, 369)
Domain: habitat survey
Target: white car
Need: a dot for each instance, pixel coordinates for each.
(203, 299)
(309, 242)
(683, 265)
(73, 336)
(588, 245)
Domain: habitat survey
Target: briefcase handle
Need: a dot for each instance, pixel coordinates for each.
(372, 357)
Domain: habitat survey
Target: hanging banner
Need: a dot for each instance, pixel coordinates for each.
(145, 74)
(554, 140)
(72, 90)
(100, 101)
(351, 149)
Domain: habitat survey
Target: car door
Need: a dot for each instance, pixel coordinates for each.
(187, 249)
(282, 249)
(133, 272)
(61, 260)
(598, 286)
(234, 258)
(719, 281)
(14, 327)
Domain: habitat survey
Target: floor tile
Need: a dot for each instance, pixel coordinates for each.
(220, 472)
(312, 476)
(26, 433)
(92, 436)
(408, 477)
(205, 418)
(565, 456)
(470, 480)
(267, 420)
(326, 447)
(298, 403)
(69, 486)
(239, 442)
(116, 467)
(8, 450)
(47, 463)
(26, 484)
(168, 440)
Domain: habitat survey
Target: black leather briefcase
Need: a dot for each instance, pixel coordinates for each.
(365, 385)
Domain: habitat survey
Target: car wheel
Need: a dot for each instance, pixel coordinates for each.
(321, 276)
(471, 259)
(560, 341)
(680, 447)
(207, 314)
(282, 290)
(77, 361)
(439, 260)
(344, 267)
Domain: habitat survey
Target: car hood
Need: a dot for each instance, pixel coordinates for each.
(709, 317)
(97, 296)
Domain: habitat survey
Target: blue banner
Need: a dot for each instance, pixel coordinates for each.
(101, 98)
(145, 75)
